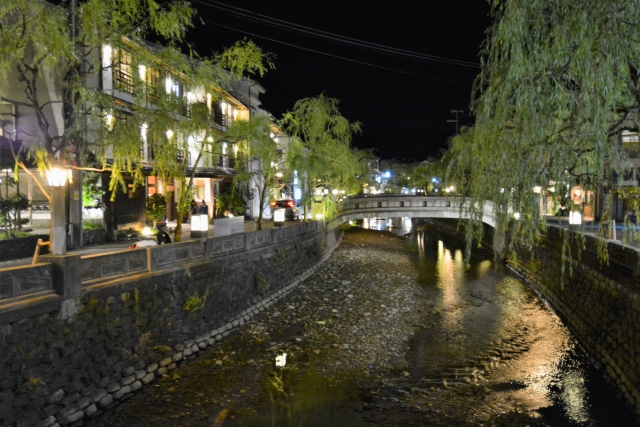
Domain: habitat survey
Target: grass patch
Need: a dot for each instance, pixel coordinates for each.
(3, 235)
(90, 226)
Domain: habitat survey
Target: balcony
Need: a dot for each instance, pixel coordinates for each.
(123, 81)
(220, 121)
(226, 162)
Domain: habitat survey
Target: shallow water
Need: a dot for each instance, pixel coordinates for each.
(494, 347)
(487, 351)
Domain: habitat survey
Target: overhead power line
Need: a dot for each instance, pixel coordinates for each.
(337, 56)
(332, 37)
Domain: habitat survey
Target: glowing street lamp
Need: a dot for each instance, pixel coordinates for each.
(57, 178)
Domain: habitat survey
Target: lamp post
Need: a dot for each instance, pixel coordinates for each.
(57, 178)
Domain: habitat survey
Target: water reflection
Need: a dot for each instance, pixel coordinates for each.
(399, 226)
(493, 346)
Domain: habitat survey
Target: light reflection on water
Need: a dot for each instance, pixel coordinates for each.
(400, 226)
(496, 344)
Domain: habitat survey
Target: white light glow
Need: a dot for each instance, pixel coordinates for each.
(106, 52)
(56, 176)
(319, 216)
(281, 360)
(169, 134)
(142, 71)
(146, 231)
(143, 132)
(278, 215)
(204, 222)
(168, 84)
(575, 218)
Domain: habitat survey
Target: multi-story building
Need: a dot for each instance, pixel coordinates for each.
(213, 164)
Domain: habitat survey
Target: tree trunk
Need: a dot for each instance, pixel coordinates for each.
(263, 192)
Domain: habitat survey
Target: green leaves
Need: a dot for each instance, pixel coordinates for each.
(321, 151)
(556, 86)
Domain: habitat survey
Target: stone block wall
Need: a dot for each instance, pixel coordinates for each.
(95, 236)
(66, 359)
(21, 247)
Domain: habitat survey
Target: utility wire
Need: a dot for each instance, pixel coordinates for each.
(339, 57)
(336, 38)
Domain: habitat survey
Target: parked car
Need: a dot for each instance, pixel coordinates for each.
(292, 212)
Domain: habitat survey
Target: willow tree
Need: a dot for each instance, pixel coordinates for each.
(50, 63)
(259, 159)
(178, 127)
(559, 81)
(49, 54)
(52, 59)
(321, 153)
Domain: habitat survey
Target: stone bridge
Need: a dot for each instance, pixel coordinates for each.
(387, 206)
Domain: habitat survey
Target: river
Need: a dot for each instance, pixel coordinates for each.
(441, 344)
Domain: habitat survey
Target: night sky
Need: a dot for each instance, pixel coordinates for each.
(403, 113)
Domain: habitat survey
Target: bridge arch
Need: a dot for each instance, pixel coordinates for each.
(387, 206)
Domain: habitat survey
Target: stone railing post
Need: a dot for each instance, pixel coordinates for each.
(67, 281)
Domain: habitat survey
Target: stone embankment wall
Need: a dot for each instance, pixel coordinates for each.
(600, 304)
(64, 360)
(22, 247)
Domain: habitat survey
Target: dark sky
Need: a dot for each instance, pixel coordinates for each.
(403, 113)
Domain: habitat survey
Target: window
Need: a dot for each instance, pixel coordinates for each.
(154, 84)
(151, 185)
(629, 140)
(177, 88)
(122, 73)
(216, 113)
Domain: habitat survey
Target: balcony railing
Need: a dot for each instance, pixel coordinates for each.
(220, 121)
(227, 162)
(123, 81)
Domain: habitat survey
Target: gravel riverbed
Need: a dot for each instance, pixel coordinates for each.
(343, 329)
